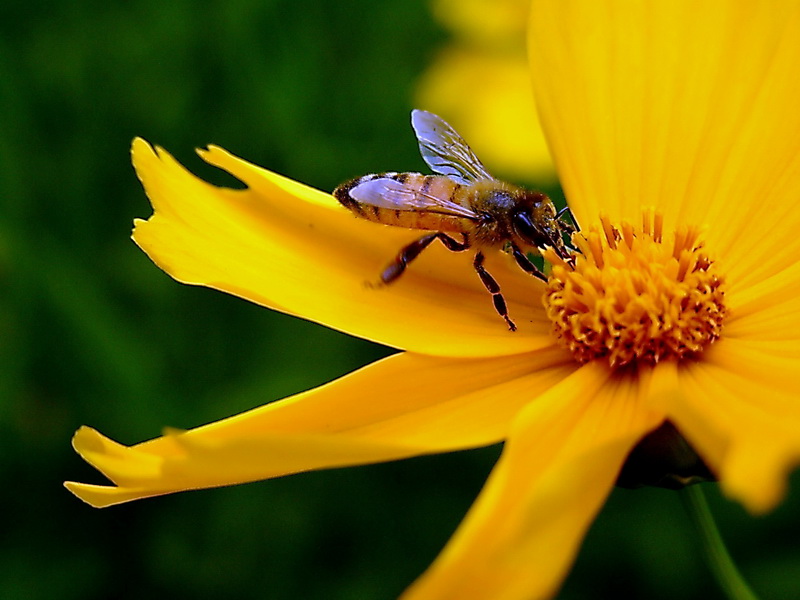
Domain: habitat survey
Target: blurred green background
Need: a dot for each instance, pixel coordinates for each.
(92, 333)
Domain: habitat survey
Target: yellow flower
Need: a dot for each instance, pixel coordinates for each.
(480, 82)
(676, 134)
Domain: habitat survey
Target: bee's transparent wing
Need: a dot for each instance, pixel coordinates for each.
(384, 192)
(445, 151)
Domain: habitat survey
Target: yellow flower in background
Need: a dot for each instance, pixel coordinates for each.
(676, 135)
(480, 82)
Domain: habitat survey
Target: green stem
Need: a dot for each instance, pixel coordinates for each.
(719, 560)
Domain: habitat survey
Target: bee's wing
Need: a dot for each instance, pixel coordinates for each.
(445, 151)
(384, 192)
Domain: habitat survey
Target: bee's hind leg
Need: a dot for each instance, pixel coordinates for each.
(413, 250)
(525, 263)
(494, 289)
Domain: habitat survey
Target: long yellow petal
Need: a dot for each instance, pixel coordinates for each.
(197, 463)
(403, 406)
(289, 247)
(738, 407)
(688, 107)
(560, 462)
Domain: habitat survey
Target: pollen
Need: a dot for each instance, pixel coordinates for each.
(630, 294)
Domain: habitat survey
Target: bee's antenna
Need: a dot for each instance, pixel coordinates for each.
(568, 211)
(567, 229)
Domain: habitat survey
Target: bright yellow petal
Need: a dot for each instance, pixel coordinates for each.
(560, 462)
(689, 107)
(403, 406)
(486, 96)
(196, 462)
(767, 308)
(292, 248)
(779, 323)
(738, 407)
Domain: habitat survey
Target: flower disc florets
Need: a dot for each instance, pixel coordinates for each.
(630, 295)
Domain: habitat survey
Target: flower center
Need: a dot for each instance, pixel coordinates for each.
(631, 295)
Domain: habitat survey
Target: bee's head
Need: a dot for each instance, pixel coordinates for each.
(535, 222)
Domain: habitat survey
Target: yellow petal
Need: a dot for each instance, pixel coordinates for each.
(766, 307)
(486, 23)
(480, 84)
(688, 107)
(403, 406)
(779, 323)
(738, 407)
(197, 463)
(486, 96)
(292, 248)
(560, 462)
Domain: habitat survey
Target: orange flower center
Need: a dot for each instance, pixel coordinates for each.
(630, 295)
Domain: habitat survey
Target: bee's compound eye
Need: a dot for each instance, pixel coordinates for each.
(525, 228)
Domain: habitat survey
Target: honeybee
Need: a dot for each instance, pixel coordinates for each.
(462, 199)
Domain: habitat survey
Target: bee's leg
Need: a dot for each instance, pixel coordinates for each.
(454, 245)
(412, 251)
(525, 263)
(494, 290)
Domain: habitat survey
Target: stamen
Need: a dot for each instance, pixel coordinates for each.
(630, 296)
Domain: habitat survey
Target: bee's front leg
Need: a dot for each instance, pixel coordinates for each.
(413, 250)
(525, 263)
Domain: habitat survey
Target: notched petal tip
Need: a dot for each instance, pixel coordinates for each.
(86, 439)
(103, 496)
(219, 157)
(209, 151)
(80, 489)
(141, 151)
(117, 462)
(91, 444)
(91, 494)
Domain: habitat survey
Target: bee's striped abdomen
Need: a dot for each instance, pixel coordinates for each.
(409, 216)
(366, 211)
